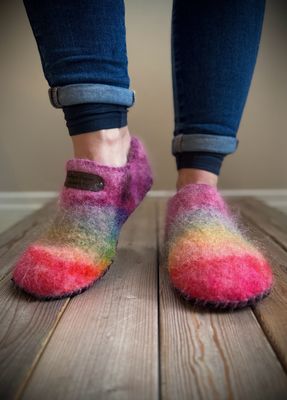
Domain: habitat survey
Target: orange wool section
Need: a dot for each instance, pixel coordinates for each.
(71, 254)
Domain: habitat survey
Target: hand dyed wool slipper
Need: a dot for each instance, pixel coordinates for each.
(209, 257)
(81, 239)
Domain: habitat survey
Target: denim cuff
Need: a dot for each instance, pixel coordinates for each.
(203, 142)
(90, 93)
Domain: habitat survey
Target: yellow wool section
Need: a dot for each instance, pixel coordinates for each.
(67, 253)
(210, 242)
(103, 264)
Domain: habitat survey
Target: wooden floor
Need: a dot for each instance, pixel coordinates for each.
(131, 336)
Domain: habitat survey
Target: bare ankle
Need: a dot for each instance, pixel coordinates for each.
(106, 146)
(193, 175)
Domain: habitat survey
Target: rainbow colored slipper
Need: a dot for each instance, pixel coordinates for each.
(210, 260)
(81, 240)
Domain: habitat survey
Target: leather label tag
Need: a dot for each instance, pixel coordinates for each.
(84, 181)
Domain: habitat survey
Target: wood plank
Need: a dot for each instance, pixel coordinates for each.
(19, 236)
(271, 314)
(106, 344)
(26, 324)
(213, 355)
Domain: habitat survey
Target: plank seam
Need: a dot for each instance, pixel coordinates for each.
(265, 331)
(37, 358)
(158, 300)
(256, 315)
(5, 276)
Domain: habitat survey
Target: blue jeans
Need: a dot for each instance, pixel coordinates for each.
(214, 45)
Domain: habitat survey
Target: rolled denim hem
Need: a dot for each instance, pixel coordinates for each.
(203, 142)
(90, 93)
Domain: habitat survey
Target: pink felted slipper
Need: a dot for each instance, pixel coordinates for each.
(210, 260)
(81, 240)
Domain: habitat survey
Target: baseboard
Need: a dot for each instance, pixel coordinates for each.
(25, 200)
(34, 200)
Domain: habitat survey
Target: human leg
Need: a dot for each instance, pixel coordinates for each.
(83, 54)
(214, 47)
(84, 59)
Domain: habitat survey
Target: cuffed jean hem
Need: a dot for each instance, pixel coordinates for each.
(90, 93)
(204, 142)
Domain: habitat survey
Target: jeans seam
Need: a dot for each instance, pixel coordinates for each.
(177, 80)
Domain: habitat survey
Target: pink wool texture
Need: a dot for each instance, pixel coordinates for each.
(80, 242)
(210, 259)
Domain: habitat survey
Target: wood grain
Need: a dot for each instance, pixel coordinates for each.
(213, 355)
(112, 341)
(271, 314)
(106, 344)
(26, 324)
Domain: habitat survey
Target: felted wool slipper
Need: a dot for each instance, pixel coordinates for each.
(81, 239)
(210, 259)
